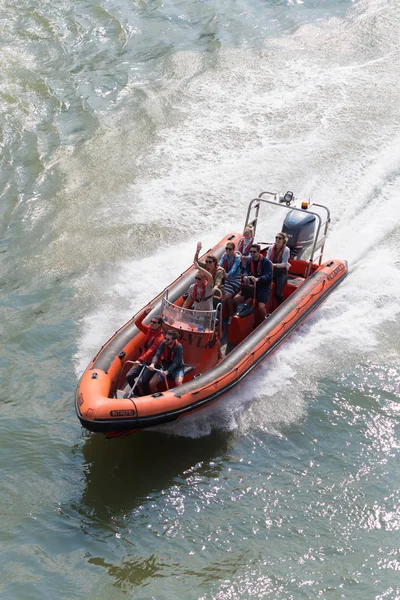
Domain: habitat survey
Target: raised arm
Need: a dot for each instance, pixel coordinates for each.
(206, 274)
(196, 254)
(139, 319)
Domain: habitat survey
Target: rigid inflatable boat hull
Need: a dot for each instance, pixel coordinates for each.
(98, 412)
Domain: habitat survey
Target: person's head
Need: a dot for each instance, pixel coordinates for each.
(248, 232)
(199, 278)
(230, 248)
(156, 322)
(280, 239)
(211, 262)
(255, 251)
(170, 336)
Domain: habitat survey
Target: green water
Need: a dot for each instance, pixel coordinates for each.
(129, 130)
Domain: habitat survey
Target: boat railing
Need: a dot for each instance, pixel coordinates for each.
(322, 222)
(122, 375)
(320, 235)
(197, 321)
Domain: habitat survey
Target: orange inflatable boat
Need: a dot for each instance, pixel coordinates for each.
(217, 354)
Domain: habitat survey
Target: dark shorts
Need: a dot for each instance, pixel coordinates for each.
(262, 292)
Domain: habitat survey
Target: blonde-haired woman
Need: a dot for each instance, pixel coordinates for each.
(279, 255)
(245, 242)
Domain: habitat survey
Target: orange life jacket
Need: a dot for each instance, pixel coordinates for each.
(198, 292)
(227, 260)
(253, 267)
(151, 336)
(244, 248)
(169, 353)
(276, 255)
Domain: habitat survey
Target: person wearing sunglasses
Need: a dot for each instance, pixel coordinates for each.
(257, 280)
(200, 293)
(210, 264)
(279, 255)
(154, 336)
(230, 261)
(169, 359)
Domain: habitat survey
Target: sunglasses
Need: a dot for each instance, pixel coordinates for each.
(209, 261)
(198, 278)
(278, 237)
(154, 322)
(253, 251)
(227, 249)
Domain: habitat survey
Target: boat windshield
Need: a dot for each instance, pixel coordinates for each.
(199, 321)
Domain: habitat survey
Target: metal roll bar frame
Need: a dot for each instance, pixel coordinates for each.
(318, 243)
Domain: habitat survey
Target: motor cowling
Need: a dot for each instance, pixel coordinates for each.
(300, 229)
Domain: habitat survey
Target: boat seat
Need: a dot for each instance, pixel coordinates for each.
(297, 270)
(188, 369)
(171, 383)
(295, 280)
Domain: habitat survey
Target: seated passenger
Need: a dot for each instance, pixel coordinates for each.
(230, 260)
(218, 273)
(168, 358)
(256, 281)
(244, 244)
(154, 337)
(200, 294)
(279, 255)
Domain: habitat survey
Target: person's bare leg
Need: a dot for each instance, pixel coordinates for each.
(153, 385)
(229, 305)
(238, 299)
(262, 310)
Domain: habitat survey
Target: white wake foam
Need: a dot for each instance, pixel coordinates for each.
(306, 114)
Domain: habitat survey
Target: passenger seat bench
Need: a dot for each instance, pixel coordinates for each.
(188, 369)
(295, 276)
(294, 280)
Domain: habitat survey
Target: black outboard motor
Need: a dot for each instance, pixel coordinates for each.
(300, 228)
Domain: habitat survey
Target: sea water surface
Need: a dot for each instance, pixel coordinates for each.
(131, 129)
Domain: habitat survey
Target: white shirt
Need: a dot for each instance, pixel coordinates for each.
(207, 302)
(284, 260)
